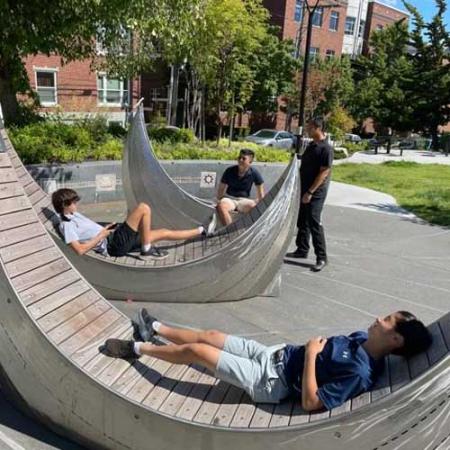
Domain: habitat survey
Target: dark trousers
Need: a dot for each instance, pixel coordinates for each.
(309, 223)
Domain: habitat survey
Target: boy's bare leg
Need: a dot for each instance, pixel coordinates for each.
(163, 234)
(203, 354)
(224, 208)
(140, 220)
(212, 338)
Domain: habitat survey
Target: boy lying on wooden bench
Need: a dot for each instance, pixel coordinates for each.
(322, 374)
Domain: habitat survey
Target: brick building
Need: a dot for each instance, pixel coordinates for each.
(380, 16)
(74, 89)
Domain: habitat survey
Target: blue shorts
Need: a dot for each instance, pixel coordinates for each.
(249, 365)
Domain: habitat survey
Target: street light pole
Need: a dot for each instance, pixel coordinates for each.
(301, 114)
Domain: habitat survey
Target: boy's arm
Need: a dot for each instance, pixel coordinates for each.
(310, 400)
(221, 190)
(259, 192)
(82, 248)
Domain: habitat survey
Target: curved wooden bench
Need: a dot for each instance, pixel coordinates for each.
(53, 321)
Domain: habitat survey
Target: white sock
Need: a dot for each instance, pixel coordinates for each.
(146, 247)
(201, 229)
(137, 348)
(156, 325)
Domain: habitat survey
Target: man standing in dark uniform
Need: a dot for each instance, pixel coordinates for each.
(315, 174)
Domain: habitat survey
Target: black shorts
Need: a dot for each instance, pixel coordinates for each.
(123, 240)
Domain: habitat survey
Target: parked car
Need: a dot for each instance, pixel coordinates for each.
(352, 137)
(272, 138)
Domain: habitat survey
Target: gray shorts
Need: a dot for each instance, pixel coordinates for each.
(248, 364)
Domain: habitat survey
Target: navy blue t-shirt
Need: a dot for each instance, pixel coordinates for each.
(343, 369)
(241, 186)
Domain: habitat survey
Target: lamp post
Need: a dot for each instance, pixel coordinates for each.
(311, 9)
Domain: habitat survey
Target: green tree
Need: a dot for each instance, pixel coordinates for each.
(384, 79)
(430, 89)
(68, 28)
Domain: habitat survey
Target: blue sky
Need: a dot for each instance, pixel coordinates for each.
(426, 7)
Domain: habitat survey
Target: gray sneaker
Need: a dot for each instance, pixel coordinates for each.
(144, 322)
(209, 228)
(155, 253)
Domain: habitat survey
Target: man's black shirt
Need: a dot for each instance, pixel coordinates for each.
(316, 155)
(241, 186)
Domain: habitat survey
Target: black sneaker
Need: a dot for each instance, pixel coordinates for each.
(119, 348)
(297, 254)
(144, 322)
(155, 253)
(320, 264)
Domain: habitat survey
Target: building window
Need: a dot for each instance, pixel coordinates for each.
(317, 17)
(46, 86)
(298, 10)
(362, 25)
(314, 53)
(350, 25)
(334, 21)
(111, 91)
(330, 54)
(379, 27)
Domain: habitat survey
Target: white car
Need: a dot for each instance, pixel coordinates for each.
(352, 137)
(272, 138)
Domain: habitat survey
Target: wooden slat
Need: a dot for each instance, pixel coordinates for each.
(398, 372)
(298, 415)
(17, 219)
(7, 175)
(22, 265)
(282, 414)
(13, 204)
(37, 196)
(341, 409)
(360, 401)
(57, 299)
(10, 190)
(88, 355)
(438, 348)
(444, 323)
(67, 311)
(418, 364)
(113, 372)
(164, 386)
(20, 234)
(382, 385)
(244, 413)
(227, 409)
(4, 160)
(76, 323)
(48, 287)
(21, 171)
(139, 391)
(83, 338)
(261, 417)
(193, 403)
(315, 416)
(181, 390)
(40, 274)
(25, 248)
(30, 188)
(132, 374)
(212, 402)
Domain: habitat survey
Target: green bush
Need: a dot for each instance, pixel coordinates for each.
(353, 147)
(97, 128)
(111, 149)
(173, 135)
(116, 130)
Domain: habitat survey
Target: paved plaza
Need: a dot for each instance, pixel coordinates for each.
(381, 259)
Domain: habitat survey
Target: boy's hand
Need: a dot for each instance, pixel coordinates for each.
(315, 345)
(111, 226)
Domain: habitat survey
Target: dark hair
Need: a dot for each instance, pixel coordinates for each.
(416, 336)
(247, 152)
(62, 198)
(317, 122)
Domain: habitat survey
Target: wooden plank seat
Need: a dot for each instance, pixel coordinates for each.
(186, 274)
(77, 319)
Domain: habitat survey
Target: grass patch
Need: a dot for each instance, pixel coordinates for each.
(423, 189)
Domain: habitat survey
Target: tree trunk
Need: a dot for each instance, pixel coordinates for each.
(434, 138)
(8, 99)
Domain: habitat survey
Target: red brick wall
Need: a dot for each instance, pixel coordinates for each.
(76, 84)
(379, 15)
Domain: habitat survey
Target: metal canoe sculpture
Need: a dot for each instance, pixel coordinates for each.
(145, 180)
(52, 322)
(239, 263)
